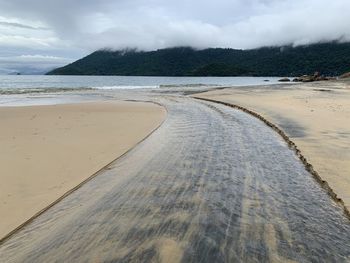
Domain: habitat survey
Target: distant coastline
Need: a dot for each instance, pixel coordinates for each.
(330, 59)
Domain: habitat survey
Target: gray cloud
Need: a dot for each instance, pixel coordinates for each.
(85, 25)
(18, 25)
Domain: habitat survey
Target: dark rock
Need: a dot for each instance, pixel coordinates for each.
(307, 78)
(345, 75)
(284, 80)
(315, 77)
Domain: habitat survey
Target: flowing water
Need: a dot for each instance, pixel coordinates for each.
(212, 184)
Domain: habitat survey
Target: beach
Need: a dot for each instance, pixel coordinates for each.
(315, 116)
(48, 150)
(211, 183)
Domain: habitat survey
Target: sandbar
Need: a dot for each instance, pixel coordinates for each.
(48, 150)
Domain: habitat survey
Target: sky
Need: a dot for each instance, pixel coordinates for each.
(39, 35)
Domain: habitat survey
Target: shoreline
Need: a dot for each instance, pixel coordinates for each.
(321, 137)
(135, 122)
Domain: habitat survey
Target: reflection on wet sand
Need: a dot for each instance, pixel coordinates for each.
(213, 184)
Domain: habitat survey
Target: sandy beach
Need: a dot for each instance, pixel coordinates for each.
(47, 150)
(315, 116)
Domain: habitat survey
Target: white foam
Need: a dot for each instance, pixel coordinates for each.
(126, 87)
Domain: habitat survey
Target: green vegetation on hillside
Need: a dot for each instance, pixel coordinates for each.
(329, 59)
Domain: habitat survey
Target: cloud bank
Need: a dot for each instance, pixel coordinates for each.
(74, 28)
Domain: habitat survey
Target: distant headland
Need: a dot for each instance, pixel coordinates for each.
(331, 59)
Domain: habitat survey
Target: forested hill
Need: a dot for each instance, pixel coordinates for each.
(330, 59)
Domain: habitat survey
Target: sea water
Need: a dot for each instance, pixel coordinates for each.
(40, 89)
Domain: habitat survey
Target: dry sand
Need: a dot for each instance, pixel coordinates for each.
(315, 116)
(47, 150)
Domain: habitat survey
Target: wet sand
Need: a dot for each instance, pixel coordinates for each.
(47, 150)
(315, 116)
(212, 184)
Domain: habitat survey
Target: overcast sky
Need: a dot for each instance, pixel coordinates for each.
(39, 34)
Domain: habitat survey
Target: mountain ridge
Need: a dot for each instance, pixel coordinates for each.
(328, 58)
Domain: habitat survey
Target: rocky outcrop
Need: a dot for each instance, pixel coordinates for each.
(345, 75)
(315, 77)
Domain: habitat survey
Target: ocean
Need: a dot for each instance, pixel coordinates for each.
(41, 90)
